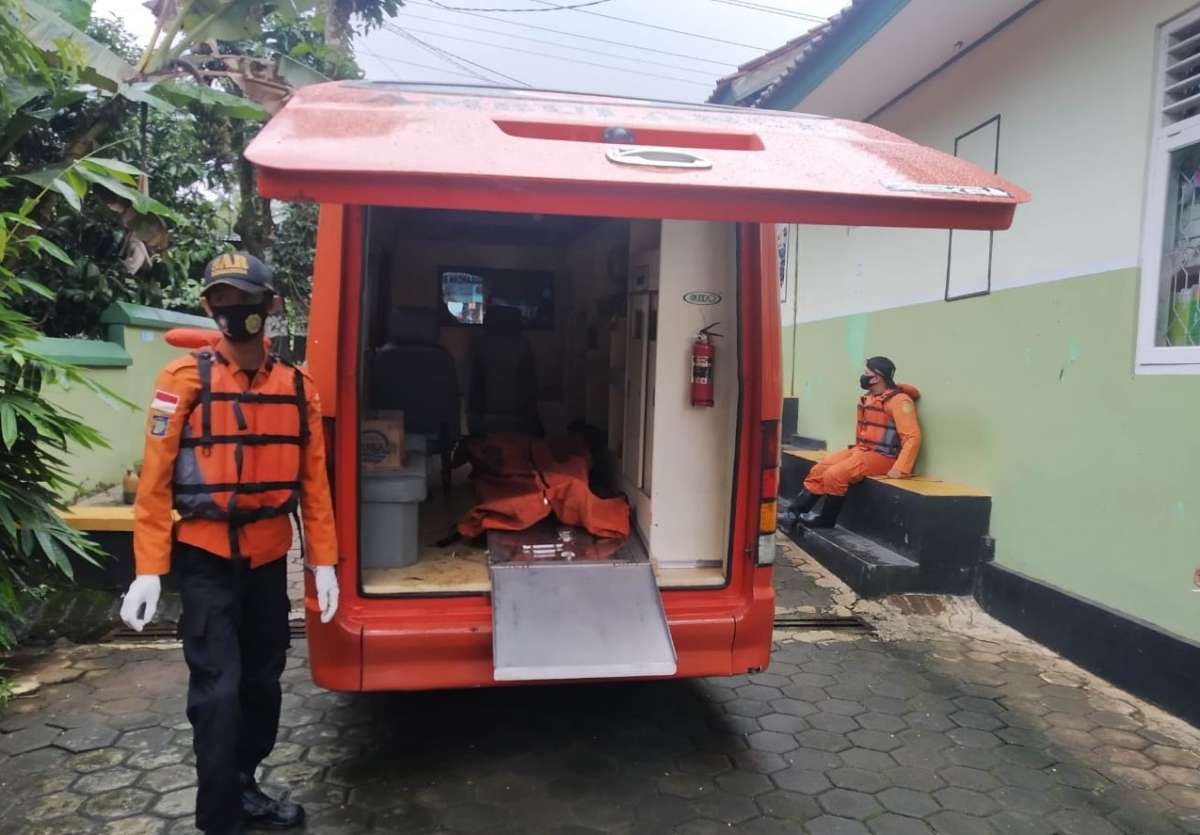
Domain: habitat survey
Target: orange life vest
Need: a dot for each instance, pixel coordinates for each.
(240, 450)
(876, 430)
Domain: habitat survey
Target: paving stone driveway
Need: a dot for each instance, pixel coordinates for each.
(946, 734)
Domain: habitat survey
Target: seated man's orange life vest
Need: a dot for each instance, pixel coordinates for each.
(887, 424)
(234, 461)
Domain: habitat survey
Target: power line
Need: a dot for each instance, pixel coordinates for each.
(643, 73)
(557, 8)
(655, 26)
(574, 35)
(457, 60)
(762, 7)
(409, 15)
(704, 73)
(391, 61)
(444, 56)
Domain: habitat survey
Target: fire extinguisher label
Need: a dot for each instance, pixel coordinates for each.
(701, 370)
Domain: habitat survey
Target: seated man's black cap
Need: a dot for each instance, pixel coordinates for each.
(884, 367)
(241, 270)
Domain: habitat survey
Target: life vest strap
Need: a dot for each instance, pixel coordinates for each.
(204, 369)
(254, 397)
(243, 487)
(243, 516)
(247, 440)
(301, 402)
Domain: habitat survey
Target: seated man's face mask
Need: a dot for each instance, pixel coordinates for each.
(866, 381)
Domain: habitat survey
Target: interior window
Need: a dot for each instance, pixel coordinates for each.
(467, 292)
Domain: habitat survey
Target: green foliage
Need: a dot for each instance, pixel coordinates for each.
(217, 101)
(291, 261)
(83, 113)
(34, 434)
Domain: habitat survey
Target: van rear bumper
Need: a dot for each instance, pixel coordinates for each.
(372, 653)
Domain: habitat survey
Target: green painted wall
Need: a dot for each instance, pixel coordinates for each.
(122, 426)
(1030, 393)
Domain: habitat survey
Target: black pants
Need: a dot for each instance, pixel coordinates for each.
(235, 640)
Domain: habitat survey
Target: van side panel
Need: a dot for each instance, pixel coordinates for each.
(322, 350)
(761, 401)
(335, 649)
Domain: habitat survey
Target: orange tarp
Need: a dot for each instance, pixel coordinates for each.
(521, 480)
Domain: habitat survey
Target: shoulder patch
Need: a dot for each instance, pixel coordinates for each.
(158, 425)
(164, 401)
(906, 407)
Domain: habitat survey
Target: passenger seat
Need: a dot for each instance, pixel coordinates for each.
(502, 388)
(415, 374)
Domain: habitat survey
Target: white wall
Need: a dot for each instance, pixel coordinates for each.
(694, 446)
(1072, 81)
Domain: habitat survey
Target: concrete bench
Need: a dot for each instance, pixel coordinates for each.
(110, 527)
(897, 535)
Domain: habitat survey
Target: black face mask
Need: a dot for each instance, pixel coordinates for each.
(241, 322)
(865, 381)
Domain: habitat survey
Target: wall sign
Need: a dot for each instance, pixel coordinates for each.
(702, 297)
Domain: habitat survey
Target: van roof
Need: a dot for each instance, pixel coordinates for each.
(428, 146)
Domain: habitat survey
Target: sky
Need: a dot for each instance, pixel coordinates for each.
(584, 50)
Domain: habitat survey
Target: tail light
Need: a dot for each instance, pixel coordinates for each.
(768, 492)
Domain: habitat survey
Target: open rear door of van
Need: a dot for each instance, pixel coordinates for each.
(386, 144)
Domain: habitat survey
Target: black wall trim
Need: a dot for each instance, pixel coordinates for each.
(1149, 663)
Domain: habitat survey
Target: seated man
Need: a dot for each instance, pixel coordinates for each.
(887, 439)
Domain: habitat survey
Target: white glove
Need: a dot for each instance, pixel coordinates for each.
(327, 590)
(143, 591)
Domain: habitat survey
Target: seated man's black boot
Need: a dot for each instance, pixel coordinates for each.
(825, 514)
(262, 811)
(803, 503)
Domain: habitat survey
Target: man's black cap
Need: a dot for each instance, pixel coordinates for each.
(884, 367)
(241, 270)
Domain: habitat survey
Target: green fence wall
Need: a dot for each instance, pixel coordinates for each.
(1030, 393)
(127, 363)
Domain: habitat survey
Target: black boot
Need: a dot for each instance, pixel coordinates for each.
(825, 514)
(803, 503)
(261, 811)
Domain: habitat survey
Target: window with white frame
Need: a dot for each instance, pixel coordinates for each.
(1169, 315)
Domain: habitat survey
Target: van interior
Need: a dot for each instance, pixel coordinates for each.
(548, 325)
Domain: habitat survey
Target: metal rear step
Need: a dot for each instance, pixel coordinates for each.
(566, 605)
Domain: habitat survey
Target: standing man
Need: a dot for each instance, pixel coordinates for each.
(887, 439)
(234, 445)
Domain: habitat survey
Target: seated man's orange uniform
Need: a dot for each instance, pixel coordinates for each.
(887, 439)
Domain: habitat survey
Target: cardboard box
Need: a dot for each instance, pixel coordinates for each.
(381, 441)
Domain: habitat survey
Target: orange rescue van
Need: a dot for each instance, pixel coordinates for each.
(603, 234)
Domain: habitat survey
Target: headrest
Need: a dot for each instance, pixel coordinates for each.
(502, 319)
(413, 326)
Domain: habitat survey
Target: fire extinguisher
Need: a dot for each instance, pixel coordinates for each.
(704, 353)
